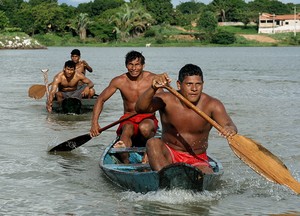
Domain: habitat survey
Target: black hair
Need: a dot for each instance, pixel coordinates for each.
(189, 70)
(70, 64)
(132, 55)
(75, 52)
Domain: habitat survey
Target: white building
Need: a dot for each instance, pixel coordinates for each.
(271, 23)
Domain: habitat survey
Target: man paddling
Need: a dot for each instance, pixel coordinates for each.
(65, 85)
(131, 85)
(184, 132)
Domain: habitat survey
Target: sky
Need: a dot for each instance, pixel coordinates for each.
(174, 2)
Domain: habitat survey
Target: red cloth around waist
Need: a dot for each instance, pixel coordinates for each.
(178, 156)
(135, 120)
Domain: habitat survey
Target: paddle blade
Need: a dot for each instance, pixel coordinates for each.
(72, 143)
(37, 91)
(263, 161)
(80, 140)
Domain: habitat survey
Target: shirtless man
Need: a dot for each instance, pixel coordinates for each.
(184, 132)
(65, 84)
(81, 67)
(131, 85)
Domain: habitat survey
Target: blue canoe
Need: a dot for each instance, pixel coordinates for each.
(74, 105)
(140, 178)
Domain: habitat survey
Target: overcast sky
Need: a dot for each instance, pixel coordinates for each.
(174, 2)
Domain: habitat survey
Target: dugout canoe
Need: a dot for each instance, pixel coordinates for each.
(140, 178)
(74, 105)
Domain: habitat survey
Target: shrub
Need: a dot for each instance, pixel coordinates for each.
(223, 37)
(294, 40)
(161, 39)
(150, 33)
(207, 22)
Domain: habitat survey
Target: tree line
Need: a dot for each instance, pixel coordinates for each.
(117, 20)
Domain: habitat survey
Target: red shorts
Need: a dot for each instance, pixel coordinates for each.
(178, 156)
(135, 120)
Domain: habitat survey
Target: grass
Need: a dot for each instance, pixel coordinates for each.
(7, 35)
(240, 29)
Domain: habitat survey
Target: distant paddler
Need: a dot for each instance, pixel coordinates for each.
(66, 85)
(81, 67)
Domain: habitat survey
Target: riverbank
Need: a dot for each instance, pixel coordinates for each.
(175, 40)
(19, 40)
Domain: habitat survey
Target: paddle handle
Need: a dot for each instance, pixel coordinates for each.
(193, 107)
(45, 74)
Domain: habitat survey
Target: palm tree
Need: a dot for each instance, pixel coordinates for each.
(82, 22)
(131, 21)
(220, 7)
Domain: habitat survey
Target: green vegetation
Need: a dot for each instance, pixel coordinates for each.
(223, 37)
(171, 36)
(288, 38)
(240, 29)
(119, 23)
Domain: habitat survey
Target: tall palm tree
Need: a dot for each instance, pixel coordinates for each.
(131, 21)
(82, 22)
(220, 7)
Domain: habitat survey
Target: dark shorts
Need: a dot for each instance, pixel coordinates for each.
(74, 94)
(135, 120)
(178, 156)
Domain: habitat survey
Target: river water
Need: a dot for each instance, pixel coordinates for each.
(259, 87)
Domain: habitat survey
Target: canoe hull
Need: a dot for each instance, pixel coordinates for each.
(141, 182)
(140, 178)
(74, 105)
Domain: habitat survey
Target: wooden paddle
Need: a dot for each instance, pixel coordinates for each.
(71, 144)
(37, 91)
(252, 153)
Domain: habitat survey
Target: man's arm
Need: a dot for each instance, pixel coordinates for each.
(148, 102)
(89, 83)
(221, 116)
(98, 107)
(145, 103)
(87, 66)
(54, 87)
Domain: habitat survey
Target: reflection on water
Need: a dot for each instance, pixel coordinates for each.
(71, 161)
(291, 213)
(68, 119)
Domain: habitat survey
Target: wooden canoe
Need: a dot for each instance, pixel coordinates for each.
(74, 105)
(140, 178)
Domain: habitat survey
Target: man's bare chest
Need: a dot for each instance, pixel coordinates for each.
(70, 83)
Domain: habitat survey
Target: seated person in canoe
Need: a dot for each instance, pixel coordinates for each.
(81, 67)
(65, 85)
(184, 132)
(131, 85)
